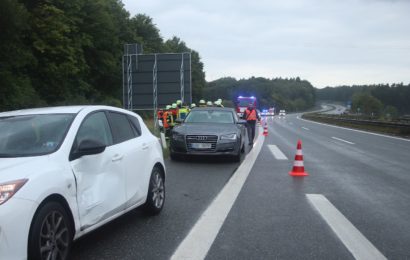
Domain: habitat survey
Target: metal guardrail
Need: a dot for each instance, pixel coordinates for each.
(402, 125)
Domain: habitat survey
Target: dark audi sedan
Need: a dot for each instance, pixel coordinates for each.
(209, 131)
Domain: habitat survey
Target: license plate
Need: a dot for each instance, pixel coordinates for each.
(201, 145)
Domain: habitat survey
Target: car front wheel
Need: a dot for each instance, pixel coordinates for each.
(50, 234)
(156, 193)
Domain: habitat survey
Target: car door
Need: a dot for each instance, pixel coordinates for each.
(127, 135)
(100, 177)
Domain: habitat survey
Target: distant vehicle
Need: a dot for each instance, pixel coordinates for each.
(243, 102)
(209, 131)
(282, 113)
(268, 112)
(65, 171)
(264, 112)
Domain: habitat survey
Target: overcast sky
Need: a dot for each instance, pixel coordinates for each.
(326, 42)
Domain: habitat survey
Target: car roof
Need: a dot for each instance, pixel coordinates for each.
(215, 108)
(52, 110)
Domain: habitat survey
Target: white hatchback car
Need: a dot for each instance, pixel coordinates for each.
(65, 171)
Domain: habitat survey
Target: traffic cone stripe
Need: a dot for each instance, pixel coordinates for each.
(298, 166)
(299, 157)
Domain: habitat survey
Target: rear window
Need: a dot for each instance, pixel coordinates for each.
(120, 127)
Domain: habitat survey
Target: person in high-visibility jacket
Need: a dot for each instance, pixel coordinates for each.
(179, 103)
(202, 103)
(251, 116)
(174, 111)
(183, 112)
(160, 114)
(167, 120)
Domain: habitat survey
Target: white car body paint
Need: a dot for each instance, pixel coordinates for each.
(104, 184)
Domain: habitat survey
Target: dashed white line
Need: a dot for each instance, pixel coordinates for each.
(341, 140)
(351, 237)
(199, 240)
(307, 129)
(277, 153)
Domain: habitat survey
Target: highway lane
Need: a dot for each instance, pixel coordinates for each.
(364, 176)
(190, 187)
(368, 182)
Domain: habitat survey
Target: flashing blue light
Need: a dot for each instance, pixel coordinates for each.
(252, 97)
(240, 97)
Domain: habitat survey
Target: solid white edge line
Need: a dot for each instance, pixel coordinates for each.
(202, 235)
(351, 237)
(277, 153)
(339, 139)
(355, 130)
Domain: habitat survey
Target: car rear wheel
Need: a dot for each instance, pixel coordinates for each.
(50, 234)
(156, 193)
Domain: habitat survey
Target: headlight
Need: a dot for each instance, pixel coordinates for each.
(8, 189)
(177, 137)
(228, 137)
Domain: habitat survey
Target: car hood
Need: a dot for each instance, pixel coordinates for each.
(19, 168)
(206, 129)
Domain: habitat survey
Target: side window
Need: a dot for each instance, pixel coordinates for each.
(121, 128)
(95, 127)
(135, 125)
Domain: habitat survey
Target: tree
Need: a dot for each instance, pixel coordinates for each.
(366, 104)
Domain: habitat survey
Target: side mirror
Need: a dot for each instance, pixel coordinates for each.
(241, 122)
(87, 147)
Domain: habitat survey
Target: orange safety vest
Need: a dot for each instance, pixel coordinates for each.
(165, 119)
(250, 115)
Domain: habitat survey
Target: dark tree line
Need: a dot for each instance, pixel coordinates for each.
(291, 94)
(380, 98)
(56, 52)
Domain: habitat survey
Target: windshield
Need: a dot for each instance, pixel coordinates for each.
(244, 102)
(210, 116)
(32, 135)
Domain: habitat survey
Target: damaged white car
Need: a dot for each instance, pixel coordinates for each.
(65, 171)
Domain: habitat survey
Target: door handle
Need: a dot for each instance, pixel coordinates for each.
(144, 146)
(117, 157)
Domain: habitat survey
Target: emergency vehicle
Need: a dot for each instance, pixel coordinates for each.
(243, 102)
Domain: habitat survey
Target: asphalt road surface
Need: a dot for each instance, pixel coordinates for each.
(355, 203)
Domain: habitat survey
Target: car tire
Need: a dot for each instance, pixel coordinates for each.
(50, 231)
(156, 193)
(237, 157)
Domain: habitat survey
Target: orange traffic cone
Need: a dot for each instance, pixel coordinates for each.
(265, 129)
(298, 167)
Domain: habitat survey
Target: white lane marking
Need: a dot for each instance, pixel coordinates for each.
(306, 128)
(355, 130)
(277, 153)
(199, 240)
(351, 237)
(341, 140)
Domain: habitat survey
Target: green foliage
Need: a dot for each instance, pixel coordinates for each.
(58, 52)
(366, 104)
(395, 95)
(289, 94)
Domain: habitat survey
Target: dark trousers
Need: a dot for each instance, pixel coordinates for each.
(250, 126)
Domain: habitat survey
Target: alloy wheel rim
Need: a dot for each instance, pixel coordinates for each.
(54, 237)
(158, 190)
